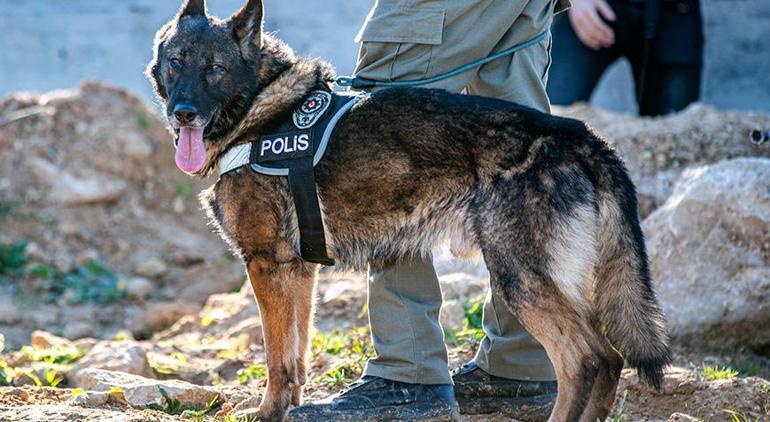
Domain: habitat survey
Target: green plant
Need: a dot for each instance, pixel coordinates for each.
(31, 375)
(471, 332)
(173, 406)
(168, 365)
(170, 405)
(6, 374)
(351, 348)
(54, 355)
(252, 372)
(474, 309)
(231, 418)
(717, 372)
(618, 415)
(327, 343)
(185, 189)
(93, 282)
(13, 258)
(341, 374)
(52, 377)
(739, 417)
(5, 371)
(142, 121)
(7, 207)
(763, 388)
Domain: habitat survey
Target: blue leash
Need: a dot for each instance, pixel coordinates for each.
(358, 82)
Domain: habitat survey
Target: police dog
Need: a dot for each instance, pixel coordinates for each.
(549, 205)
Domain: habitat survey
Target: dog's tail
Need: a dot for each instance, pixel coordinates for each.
(624, 299)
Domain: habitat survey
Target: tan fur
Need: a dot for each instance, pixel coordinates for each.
(574, 254)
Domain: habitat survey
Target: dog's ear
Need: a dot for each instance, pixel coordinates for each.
(247, 24)
(193, 8)
(153, 68)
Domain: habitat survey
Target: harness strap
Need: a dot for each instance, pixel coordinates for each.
(312, 240)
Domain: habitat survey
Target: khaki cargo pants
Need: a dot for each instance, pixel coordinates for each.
(413, 39)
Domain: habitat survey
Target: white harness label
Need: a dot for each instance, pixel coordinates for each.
(285, 146)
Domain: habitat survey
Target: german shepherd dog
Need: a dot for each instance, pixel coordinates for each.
(549, 205)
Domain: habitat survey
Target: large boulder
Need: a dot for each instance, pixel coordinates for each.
(140, 392)
(709, 247)
(123, 356)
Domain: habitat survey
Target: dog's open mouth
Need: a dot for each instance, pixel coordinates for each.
(190, 150)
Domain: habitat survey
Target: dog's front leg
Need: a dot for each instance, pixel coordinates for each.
(284, 292)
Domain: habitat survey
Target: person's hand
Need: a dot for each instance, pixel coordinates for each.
(589, 27)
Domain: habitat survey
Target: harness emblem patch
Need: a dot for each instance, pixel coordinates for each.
(306, 115)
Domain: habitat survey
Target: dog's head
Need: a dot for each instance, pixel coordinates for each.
(204, 72)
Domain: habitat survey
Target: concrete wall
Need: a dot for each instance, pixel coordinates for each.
(49, 44)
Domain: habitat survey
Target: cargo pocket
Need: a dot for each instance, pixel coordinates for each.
(397, 43)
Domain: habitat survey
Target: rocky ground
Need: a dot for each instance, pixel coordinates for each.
(117, 302)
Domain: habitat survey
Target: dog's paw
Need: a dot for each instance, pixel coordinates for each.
(262, 414)
(250, 414)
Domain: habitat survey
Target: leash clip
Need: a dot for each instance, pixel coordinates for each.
(344, 81)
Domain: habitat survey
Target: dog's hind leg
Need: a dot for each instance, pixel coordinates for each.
(538, 244)
(552, 320)
(284, 292)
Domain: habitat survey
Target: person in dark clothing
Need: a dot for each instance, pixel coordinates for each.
(662, 39)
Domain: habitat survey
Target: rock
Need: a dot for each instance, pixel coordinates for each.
(45, 340)
(123, 356)
(139, 288)
(91, 399)
(199, 284)
(153, 268)
(135, 145)
(78, 329)
(250, 329)
(681, 417)
(69, 189)
(159, 316)
(462, 285)
(140, 392)
(446, 263)
(86, 343)
(9, 312)
(452, 315)
(709, 248)
(19, 393)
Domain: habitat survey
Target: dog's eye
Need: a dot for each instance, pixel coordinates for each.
(175, 63)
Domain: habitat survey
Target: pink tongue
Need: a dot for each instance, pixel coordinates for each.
(190, 151)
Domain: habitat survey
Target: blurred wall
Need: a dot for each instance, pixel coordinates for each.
(49, 44)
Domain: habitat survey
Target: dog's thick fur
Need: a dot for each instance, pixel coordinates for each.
(549, 205)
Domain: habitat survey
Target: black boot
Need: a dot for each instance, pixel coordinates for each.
(378, 399)
(478, 392)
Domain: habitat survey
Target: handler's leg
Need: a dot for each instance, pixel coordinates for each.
(404, 304)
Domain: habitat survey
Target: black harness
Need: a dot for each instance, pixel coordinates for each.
(293, 148)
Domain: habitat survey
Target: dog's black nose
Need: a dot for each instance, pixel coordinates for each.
(185, 113)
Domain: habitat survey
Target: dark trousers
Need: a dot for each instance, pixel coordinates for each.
(666, 68)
